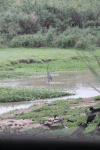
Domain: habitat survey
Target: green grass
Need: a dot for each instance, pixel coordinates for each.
(9, 94)
(96, 98)
(15, 62)
(62, 108)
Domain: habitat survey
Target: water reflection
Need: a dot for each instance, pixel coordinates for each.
(69, 80)
(6, 107)
(73, 81)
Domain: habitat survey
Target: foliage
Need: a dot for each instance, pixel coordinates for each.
(51, 19)
(96, 98)
(81, 44)
(9, 94)
(34, 40)
(28, 40)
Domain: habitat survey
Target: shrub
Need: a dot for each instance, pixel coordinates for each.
(81, 43)
(98, 41)
(50, 37)
(27, 23)
(34, 40)
(27, 41)
(59, 23)
(69, 41)
(69, 37)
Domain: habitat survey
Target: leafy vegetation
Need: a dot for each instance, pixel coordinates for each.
(9, 94)
(96, 98)
(38, 23)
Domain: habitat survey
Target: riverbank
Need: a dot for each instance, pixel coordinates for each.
(71, 110)
(41, 116)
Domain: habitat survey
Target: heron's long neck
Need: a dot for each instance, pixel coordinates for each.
(47, 67)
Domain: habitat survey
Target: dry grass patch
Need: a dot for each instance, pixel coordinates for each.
(87, 102)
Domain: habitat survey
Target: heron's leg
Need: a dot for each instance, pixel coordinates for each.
(48, 79)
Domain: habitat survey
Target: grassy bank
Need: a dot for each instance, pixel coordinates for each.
(9, 94)
(63, 109)
(22, 62)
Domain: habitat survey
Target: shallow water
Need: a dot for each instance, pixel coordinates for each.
(72, 81)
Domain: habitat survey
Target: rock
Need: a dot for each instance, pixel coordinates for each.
(48, 123)
(50, 120)
(42, 122)
(56, 121)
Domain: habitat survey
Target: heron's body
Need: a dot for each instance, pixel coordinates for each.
(48, 75)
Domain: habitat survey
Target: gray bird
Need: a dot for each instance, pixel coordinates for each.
(48, 74)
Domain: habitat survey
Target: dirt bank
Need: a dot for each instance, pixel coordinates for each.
(23, 124)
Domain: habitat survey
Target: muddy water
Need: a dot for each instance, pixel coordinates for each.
(73, 81)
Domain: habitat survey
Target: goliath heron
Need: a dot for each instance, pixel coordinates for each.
(48, 74)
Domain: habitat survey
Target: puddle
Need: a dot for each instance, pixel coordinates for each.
(72, 81)
(6, 107)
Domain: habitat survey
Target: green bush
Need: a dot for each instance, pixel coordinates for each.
(59, 23)
(98, 41)
(28, 41)
(81, 43)
(69, 37)
(34, 40)
(85, 42)
(50, 37)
